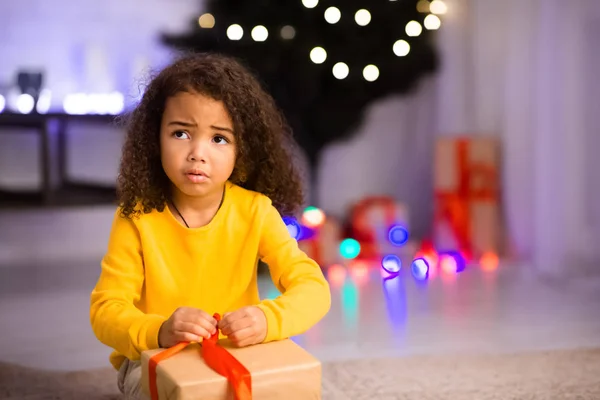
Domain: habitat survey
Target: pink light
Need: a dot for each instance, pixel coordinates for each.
(489, 261)
(359, 271)
(448, 264)
(336, 275)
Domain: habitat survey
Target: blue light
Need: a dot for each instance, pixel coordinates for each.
(293, 227)
(349, 248)
(391, 264)
(420, 269)
(398, 235)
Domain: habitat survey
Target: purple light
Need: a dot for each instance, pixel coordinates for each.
(391, 264)
(293, 227)
(420, 269)
(398, 235)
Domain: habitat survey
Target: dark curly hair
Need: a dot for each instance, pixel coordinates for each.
(263, 161)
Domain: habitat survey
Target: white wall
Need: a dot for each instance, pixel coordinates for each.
(390, 154)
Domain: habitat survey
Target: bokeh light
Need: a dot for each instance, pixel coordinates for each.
(391, 263)
(349, 248)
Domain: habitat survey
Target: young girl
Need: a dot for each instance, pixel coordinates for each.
(205, 178)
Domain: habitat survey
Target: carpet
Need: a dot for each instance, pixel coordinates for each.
(559, 374)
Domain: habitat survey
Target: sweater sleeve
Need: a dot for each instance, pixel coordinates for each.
(305, 297)
(115, 320)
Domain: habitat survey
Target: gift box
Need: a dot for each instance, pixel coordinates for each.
(324, 242)
(278, 370)
(380, 225)
(466, 183)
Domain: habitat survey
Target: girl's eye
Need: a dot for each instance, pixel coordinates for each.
(220, 139)
(181, 135)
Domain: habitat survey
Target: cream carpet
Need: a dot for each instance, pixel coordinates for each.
(565, 374)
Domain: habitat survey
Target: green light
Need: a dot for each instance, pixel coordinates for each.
(350, 303)
(349, 248)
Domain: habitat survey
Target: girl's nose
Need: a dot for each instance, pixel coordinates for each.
(198, 151)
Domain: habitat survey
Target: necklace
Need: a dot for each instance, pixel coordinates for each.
(183, 219)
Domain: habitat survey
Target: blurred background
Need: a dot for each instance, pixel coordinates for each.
(447, 148)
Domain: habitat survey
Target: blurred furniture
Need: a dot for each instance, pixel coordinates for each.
(56, 189)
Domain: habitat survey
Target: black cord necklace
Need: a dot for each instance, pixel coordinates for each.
(183, 219)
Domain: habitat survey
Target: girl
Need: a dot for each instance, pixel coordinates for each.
(204, 181)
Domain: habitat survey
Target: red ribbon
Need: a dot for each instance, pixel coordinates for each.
(477, 182)
(216, 357)
(364, 233)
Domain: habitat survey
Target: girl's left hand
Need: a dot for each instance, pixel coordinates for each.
(245, 326)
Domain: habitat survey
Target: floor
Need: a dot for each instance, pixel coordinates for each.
(44, 314)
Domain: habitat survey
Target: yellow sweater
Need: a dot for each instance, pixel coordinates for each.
(155, 265)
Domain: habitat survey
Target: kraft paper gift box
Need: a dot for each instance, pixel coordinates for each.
(371, 220)
(466, 184)
(279, 370)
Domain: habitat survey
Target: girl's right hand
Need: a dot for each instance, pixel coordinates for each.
(186, 324)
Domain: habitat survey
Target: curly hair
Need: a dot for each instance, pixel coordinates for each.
(263, 160)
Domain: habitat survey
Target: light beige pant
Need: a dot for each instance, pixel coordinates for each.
(130, 380)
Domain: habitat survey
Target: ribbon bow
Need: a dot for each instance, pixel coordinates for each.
(216, 357)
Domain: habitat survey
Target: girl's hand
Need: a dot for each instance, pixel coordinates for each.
(245, 327)
(186, 324)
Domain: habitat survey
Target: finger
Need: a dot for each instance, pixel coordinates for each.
(230, 317)
(195, 329)
(238, 325)
(186, 337)
(243, 337)
(199, 317)
(195, 315)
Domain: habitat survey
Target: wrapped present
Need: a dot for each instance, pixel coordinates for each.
(380, 225)
(323, 244)
(216, 370)
(466, 184)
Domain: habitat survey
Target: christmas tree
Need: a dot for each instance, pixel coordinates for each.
(323, 61)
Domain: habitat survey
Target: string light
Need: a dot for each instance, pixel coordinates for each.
(432, 22)
(288, 32)
(438, 7)
(310, 3)
(260, 33)
(349, 248)
(333, 15)
(362, 17)
(235, 32)
(401, 48)
(313, 217)
(318, 55)
(423, 6)
(413, 28)
(341, 70)
(371, 73)
(206, 21)
(391, 264)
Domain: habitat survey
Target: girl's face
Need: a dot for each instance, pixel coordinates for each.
(197, 144)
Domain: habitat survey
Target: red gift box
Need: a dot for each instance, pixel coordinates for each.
(466, 182)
